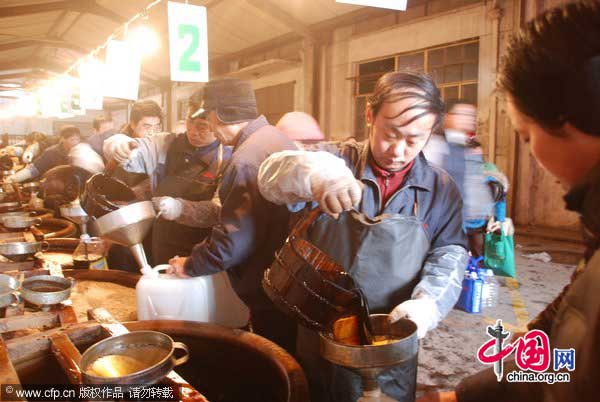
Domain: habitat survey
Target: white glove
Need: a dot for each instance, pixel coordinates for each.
(122, 151)
(335, 190)
(21, 176)
(169, 207)
(422, 312)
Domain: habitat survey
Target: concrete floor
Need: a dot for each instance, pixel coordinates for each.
(448, 353)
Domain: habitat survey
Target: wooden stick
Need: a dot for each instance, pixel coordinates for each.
(16, 266)
(66, 313)
(67, 356)
(33, 320)
(38, 345)
(8, 374)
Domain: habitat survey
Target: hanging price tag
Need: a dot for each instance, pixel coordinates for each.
(122, 71)
(188, 42)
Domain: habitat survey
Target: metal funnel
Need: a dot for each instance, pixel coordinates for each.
(75, 213)
(127, 226)
(369, 361)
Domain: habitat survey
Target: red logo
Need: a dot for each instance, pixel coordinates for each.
(532, 351)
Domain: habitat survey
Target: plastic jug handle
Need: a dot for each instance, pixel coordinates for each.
(162, 267)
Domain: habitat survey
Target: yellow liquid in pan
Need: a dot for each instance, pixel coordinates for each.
(132, 361)
(115, 366)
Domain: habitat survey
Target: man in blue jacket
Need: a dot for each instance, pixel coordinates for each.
(251, 228)
(401, 240)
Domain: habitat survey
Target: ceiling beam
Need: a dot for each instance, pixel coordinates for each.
(274, 11)
(84, 6)
(285, 39)
(57, 43)
(26, 74)
(317, 29)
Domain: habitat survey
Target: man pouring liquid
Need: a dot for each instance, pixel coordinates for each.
(410, 262)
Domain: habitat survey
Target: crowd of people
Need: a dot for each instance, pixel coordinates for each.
(228, 184)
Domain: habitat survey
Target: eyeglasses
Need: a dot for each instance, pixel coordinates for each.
(152, 127)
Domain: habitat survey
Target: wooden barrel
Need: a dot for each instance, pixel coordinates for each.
(307, 284)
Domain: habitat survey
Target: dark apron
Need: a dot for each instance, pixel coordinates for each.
(385, 256)
(170, 238)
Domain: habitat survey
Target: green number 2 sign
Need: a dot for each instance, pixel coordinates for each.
(185, 64)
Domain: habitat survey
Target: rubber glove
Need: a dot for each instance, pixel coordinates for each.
(336, 193)
(169, 207)
(422, 312)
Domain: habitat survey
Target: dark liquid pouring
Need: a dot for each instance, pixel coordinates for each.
(360, 306)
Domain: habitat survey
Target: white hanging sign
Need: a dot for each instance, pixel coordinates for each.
(122, 71)
(188, 42)
(49, 101)
(391, 4)
(91, 73)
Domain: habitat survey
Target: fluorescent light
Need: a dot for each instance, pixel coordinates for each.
(143, 40)
(9, 85)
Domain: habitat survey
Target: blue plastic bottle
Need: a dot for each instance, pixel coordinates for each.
(470, 297)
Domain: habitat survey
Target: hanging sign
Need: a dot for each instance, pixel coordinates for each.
(91, 73)
(391, 4)
(122, 71)
(49, 101)
(188, 42)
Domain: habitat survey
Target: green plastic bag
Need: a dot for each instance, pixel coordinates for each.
(500, 254)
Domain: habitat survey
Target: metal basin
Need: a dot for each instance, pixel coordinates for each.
(8, 290)
(10, 206)
(19, 222)
(28, 188)
(22, 250)
(23, 214)
(141, 357)
(46, 290)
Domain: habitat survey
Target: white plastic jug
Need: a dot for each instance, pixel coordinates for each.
(203, 299)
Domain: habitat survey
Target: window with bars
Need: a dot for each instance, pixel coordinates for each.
(454, 68)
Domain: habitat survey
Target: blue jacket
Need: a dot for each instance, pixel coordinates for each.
(52, 156)
(251, 229)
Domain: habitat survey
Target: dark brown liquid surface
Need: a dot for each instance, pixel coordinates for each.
(45, 286)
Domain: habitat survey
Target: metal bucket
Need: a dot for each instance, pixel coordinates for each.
(141, 357)
(307, 284)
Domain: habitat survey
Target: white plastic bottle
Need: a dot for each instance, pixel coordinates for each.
(491, 289)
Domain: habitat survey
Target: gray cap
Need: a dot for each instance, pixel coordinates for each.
(231, 98)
